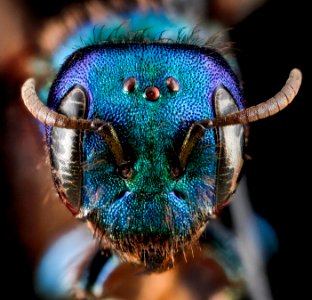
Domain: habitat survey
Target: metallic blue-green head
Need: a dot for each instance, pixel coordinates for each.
(151, 179)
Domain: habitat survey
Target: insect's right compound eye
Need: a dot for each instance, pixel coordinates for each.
(230, 147)
(66, 150)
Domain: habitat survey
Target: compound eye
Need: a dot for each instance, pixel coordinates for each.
(230, 147)
(173, 84)
(129, 85)
(66, 150)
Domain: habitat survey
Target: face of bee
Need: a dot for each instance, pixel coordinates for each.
(149, 208)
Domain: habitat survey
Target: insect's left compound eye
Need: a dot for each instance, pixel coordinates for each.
(173, 84)
(66, 150)
(129, 85)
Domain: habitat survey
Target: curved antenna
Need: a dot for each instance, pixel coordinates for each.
(50, 117)
(263, 110)
(46, 115)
